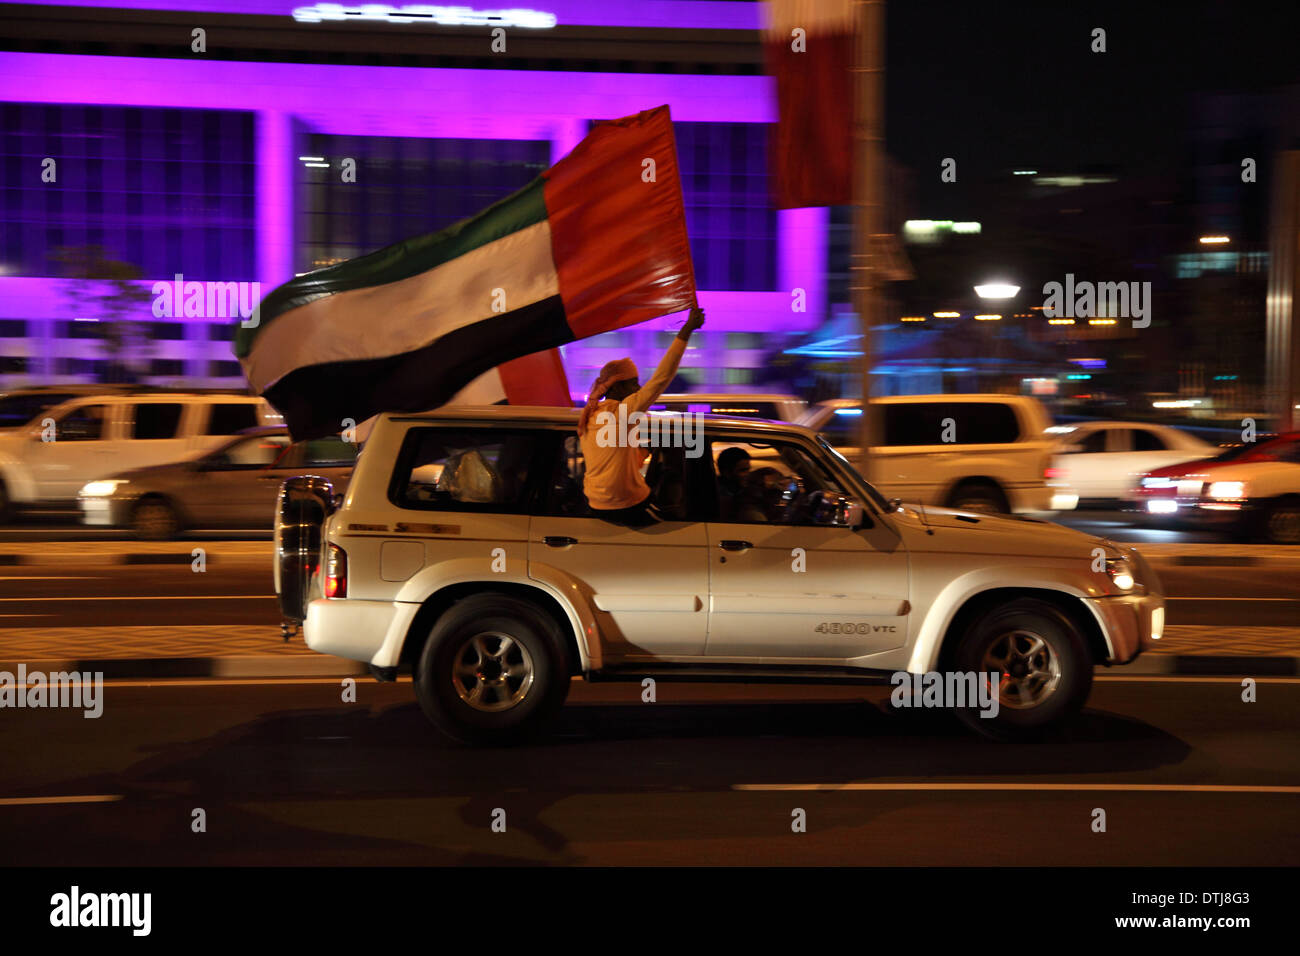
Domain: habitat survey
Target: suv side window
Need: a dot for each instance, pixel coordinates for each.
(85, 423)
(769, 482)
(231, 418)
(469, 469)
(675, 487)
(974, 423)
(157, 420)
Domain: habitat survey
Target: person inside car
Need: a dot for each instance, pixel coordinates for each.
(615, 488)
(733, 468)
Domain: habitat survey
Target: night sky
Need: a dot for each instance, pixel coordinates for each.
(1015, 84)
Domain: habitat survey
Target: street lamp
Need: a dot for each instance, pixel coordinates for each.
(997, 290)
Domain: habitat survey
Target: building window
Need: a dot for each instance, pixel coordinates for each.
(166, 367)
(166, 190)
(171, 331)
(744, 340)
(405, 187)
(217, 369)
(80, 366)
(729, 214)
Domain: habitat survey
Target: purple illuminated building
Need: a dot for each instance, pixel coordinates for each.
(223, 167)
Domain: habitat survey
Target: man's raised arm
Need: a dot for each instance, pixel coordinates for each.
(645, 396)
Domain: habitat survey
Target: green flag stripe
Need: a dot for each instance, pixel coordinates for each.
(402, 260)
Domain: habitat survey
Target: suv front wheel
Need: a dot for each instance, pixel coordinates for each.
(1039, 661)
(493, 671)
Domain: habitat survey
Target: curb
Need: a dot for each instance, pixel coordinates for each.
(144, 668)
(122, 668)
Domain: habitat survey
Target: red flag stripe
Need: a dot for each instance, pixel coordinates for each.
(619, 242)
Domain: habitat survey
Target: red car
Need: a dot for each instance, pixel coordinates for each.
(1157, 493)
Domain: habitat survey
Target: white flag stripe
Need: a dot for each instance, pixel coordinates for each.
(402, 316)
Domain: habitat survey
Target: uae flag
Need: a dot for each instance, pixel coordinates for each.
(808, 45)
(596, 243)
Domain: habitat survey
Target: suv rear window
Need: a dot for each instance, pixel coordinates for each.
(232, 418)
(457, 469)
(157, 420)
(973, 423)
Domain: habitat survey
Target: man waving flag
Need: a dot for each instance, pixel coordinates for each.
(596, 243)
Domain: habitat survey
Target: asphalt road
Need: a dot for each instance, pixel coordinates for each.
(287, 773)
(242, 592)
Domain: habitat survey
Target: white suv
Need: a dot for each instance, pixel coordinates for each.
(464, 549)
(982, 453)
(94, 436)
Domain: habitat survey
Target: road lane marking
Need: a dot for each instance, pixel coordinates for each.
(40, 801)
(1133, 787)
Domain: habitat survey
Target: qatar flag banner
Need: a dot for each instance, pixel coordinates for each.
(808, 45)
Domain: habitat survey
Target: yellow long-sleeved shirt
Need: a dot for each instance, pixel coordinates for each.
(613, 467)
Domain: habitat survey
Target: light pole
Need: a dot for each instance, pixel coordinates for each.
(1001, 294)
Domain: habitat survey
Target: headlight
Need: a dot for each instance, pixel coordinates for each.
(1121, 573)
(1228, 489)
(101, 489)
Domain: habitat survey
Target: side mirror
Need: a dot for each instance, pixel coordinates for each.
(838, 511)
(895, 504)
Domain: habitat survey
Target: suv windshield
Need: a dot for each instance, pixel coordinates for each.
(875, 495)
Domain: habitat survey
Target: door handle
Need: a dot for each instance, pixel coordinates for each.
(559, 540)
(734, 544)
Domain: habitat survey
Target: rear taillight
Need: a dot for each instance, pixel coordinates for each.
(336, 572)
(1049, 473)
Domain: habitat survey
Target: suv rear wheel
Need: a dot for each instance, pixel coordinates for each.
(979, 496)
(493, 671)
(1044, 663)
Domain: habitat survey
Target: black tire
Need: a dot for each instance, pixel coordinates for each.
(978, 496)
(1019, 716)
(442, 677)
(154, 519)
(1279, 522)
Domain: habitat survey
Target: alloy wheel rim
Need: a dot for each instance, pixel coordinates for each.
(1030, 670)
(492, 672)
